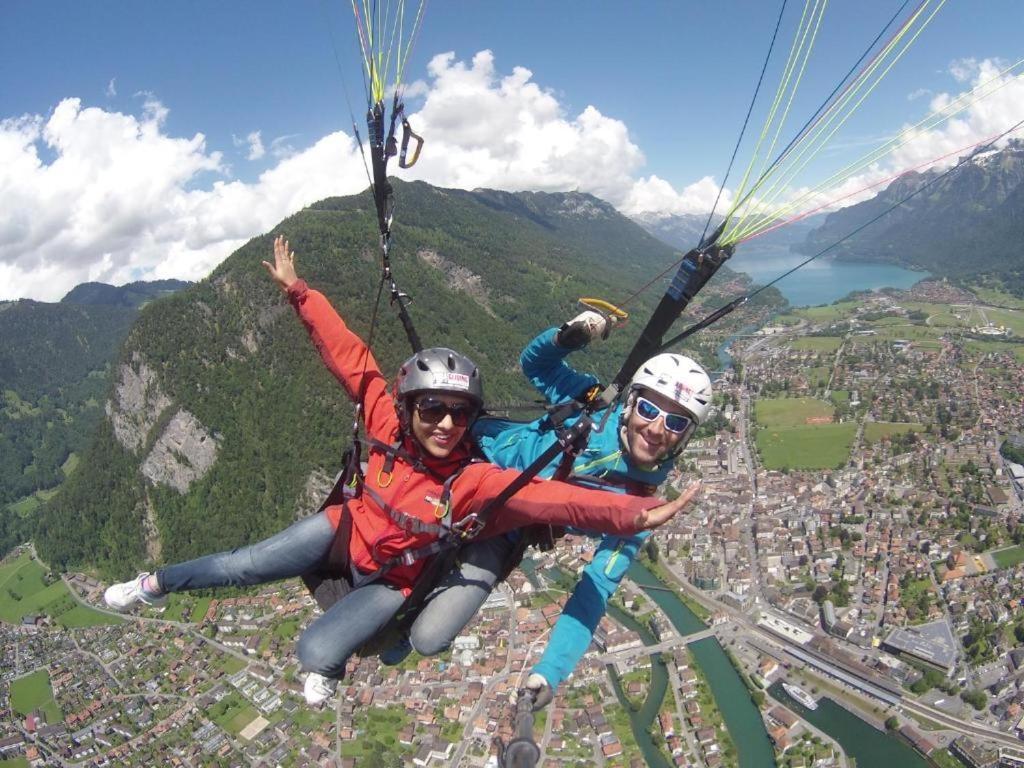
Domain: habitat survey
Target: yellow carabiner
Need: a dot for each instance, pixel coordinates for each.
(440, 513)
(381, 483)
(605, 309)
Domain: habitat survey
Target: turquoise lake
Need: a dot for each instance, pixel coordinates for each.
(822, 281)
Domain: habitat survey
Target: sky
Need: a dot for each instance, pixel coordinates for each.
(147, 140)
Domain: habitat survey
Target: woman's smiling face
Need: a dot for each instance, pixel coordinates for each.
(439, 422)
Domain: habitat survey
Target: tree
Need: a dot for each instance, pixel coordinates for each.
(976, 698)
(892, 723)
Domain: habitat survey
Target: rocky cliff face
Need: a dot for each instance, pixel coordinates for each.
(182, 451)
(182, 454)
(137, 403)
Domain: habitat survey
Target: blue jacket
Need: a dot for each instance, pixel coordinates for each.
(516, 445)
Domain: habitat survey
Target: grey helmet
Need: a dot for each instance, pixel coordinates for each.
(439, 369)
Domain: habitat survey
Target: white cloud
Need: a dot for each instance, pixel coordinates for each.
(112, 88)
(282, 147)
(986, 117)
(90, 194)
(122, 200)
(963, 70)
(654, 194)
(253, 142)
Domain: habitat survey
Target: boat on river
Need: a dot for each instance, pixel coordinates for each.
(800, 695)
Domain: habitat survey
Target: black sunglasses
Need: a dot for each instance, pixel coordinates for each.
(433, 410)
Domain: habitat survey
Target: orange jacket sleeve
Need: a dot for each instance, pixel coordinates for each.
(347, 357)
(552, 502)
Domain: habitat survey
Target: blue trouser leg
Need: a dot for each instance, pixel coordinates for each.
(327, 643)
(450, 606)
(296, 550)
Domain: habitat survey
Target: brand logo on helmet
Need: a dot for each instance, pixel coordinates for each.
(683, 391)
(449, 380)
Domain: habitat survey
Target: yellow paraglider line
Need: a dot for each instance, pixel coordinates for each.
(812, 143)
(933, 120)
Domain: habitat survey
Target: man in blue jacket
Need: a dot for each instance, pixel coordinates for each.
(668, 398)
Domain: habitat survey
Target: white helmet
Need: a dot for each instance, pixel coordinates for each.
(678, 378)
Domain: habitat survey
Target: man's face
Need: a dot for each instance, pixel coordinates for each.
(648, 441)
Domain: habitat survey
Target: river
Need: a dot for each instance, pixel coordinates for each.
(742, 718)
(859, 740)
(823, 280)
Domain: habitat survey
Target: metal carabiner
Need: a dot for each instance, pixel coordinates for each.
(408, 133)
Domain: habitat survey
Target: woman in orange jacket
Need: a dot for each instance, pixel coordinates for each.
(421, 485)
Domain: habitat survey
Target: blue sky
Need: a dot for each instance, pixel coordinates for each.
(120, 116)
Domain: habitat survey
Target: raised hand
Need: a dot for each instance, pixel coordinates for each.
(652, 518)
(283, 268)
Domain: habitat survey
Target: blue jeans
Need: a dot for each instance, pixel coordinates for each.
(326, 644)
(453, 602)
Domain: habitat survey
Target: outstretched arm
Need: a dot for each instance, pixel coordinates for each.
(575, 627)
(556, 503)
(343, 352)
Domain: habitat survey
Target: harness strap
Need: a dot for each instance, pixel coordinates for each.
(407, 522)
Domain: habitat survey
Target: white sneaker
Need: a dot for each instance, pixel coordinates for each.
(319, 689)
(122, 596)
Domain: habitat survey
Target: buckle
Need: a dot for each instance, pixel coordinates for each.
(470, 526)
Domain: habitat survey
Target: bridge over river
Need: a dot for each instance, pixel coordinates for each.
(646, 650)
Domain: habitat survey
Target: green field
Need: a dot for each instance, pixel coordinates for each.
(819, 446)
(26, 506)
(817, 344)
(1011, 318)
(233, 713)
(80, 616)
(878, 430)
(840, 396)
(828, 313)
(24, 592)
(908, 332)
(790, 411)
(201, 607)
(34, 692)
(786, 319)
(1007, 558)
(998, 298)
(818, 377)
(70, 464)
(14, 762)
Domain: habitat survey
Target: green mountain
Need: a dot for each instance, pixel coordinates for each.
(967, 226)
(54, 366)
(222, 423)
(130, 295)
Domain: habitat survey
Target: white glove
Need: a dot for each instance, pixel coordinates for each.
(583, 329)
(542, 693)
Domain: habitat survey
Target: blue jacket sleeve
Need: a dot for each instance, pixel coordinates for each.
(575, 627)
(544, 364)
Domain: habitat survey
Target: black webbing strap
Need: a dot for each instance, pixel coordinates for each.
(576, 435)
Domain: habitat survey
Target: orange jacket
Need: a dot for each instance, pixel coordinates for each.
(415, 492)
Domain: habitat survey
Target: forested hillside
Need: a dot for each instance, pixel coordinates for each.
(54, 365)
(223, 424)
